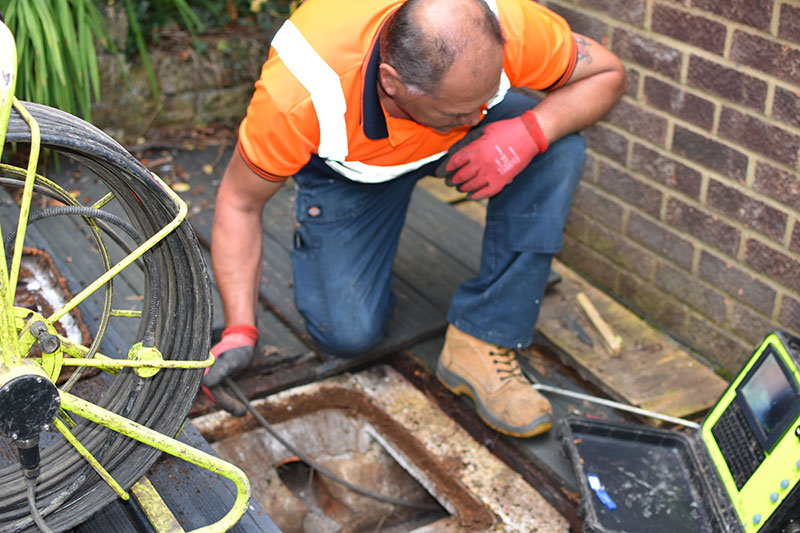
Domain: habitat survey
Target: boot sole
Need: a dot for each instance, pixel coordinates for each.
(457, 385)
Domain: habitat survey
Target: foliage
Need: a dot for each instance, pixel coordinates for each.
(56, 39)
(56, 51)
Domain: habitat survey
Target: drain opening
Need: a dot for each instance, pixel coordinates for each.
(299, 499)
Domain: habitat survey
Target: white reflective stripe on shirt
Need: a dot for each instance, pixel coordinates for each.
(327, 95)
(364, 173)
(322, 83)
(505, 83)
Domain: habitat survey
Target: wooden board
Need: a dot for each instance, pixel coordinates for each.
(650, 371)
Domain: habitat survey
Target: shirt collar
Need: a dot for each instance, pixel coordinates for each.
(373, 120)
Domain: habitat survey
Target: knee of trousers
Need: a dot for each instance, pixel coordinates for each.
(347, 335)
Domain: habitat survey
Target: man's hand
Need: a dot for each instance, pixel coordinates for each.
(233, 353)
(483, 167)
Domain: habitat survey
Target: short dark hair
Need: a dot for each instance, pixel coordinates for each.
(421, 57)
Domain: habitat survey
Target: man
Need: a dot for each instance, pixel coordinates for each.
(359, 100)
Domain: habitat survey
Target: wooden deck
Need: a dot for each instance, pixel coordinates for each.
(439, 248)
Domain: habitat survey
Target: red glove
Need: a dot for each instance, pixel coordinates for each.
(486, 165)
(233, 353)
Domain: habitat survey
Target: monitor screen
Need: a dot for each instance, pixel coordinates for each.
(771, 398)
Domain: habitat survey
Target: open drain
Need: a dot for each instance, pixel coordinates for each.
(377, 431)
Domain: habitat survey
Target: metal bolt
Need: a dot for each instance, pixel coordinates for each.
(14, 436)
(46, 427)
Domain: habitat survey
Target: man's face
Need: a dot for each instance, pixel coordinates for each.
(460, 100)
(444, 112)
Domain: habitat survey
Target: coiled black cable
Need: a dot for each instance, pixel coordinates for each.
(68, 491)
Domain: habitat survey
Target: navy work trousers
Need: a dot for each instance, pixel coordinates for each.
(349, 232)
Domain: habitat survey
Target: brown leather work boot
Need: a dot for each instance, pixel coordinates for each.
(490, 375)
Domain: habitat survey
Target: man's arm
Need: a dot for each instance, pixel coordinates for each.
(597, 82)
(236, 239)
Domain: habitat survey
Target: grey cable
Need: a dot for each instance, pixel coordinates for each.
(322, 470)
(37, 518)
(616, 405)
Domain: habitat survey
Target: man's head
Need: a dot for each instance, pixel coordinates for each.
(441, 60)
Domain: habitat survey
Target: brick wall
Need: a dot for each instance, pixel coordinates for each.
(688, 209)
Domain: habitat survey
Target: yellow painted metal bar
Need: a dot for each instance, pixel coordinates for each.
(155, 508)
(105, 362)
(125, 313)
(8, 80)
(99, 204)
(25, 203)
(86, 454)
(130, 258)
(173, 447)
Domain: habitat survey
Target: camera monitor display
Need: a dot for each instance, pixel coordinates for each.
(770, 399)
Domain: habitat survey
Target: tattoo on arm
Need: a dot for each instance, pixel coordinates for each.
(583, 50)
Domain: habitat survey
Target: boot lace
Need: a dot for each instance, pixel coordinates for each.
(506, 364)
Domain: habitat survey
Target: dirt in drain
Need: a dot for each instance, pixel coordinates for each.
(300, 499)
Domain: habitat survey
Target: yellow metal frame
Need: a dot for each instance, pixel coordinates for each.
(16, 338)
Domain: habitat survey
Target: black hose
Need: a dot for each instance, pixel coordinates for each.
(316, 466)
(89, 212)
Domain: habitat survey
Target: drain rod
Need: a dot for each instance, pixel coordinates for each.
(315, 466)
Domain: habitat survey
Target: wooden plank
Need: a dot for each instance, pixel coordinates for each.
(650, 371)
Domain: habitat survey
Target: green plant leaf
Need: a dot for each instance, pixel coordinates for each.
(53, 51)
(142, 47)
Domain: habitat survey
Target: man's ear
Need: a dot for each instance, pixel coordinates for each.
(390, 80)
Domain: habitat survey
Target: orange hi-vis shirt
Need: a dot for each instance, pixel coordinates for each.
(318, 94)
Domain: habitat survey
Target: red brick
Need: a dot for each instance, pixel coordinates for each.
(699, 296)
(695, 30)
(755, 13)
(577, 224)
(632, 75)
(789, 25)
(620, 251)
(590, 264)
(766, 139)
(786, 106)
(704, 226)
(717, 345)
(736, 282)
(631, 11)
(728, 83)
(773, 263)
(599, 207)
(589, 174)
(583, 22)
(789, 314)
(767, 56)
(794, 243)
(648, 301)
(639, 121)
(749, 325)
(710, 153)
(630, 189)
(607, 142)
(778, 184)
(666, 243)
(679, 103)
(636, 48)
(750, 212)
(666, 171)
